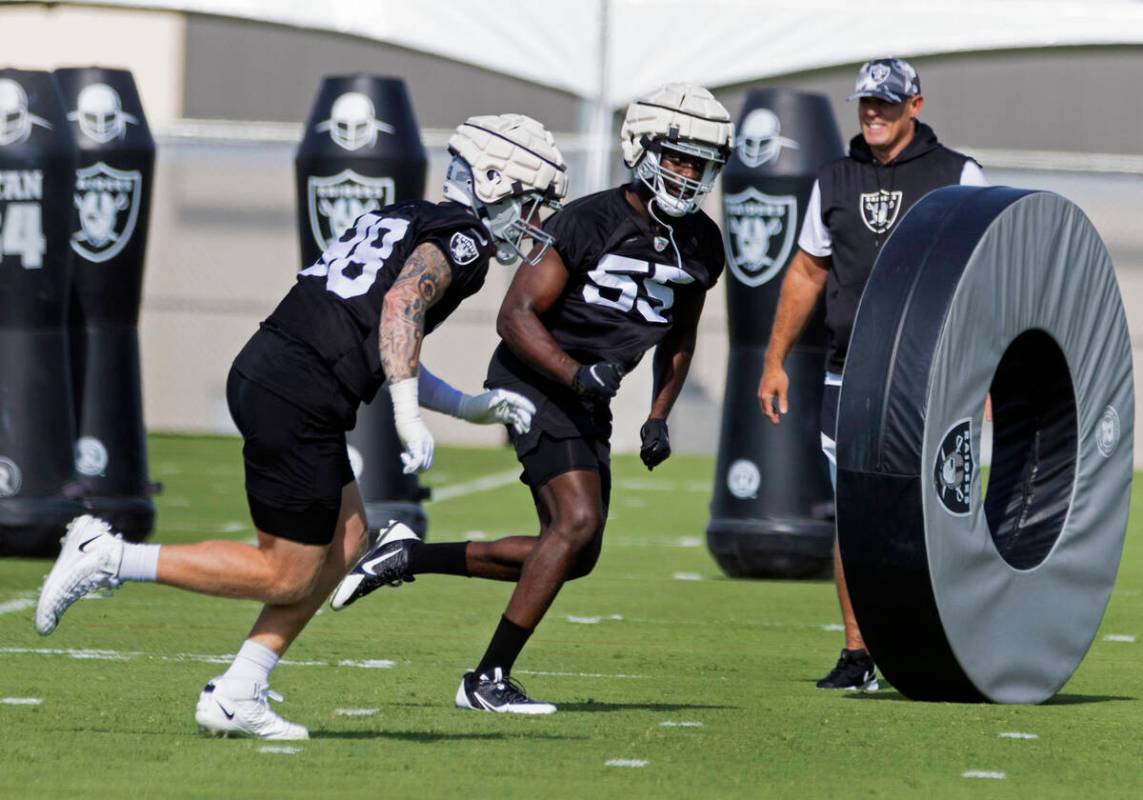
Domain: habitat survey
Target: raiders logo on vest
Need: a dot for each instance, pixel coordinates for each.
(760, 233)
(879, 209)
(463, 248)
(108, 203)
(336, 201)
(954, 468)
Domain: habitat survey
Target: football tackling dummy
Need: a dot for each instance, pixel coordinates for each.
(353, 320)
(629, 270)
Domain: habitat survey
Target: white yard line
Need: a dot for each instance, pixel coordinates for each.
(686, 576)
(1018, 735)
(12, 606)
(573, 674)
(20, 701)
(485, 484)
(634, 763)
(279, 748)
(987, 774)
(1118, 637)
(355, 712)
(118, 655)
(684, 724)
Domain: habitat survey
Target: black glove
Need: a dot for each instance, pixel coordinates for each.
(656, 443)
(599, 380)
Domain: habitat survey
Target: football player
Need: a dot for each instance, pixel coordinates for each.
(629, 270)
(352, 320)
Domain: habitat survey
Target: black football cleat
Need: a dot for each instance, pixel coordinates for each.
(385, 564)
(498, 693)
(854, 672)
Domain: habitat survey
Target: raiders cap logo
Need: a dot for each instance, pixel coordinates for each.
(463, 248)
(954, 467)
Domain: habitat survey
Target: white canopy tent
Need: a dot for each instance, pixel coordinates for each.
(611, 50)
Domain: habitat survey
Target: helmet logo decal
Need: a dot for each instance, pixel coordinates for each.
(15, 120)
(353, 122)
(100, 115)
(760, 141)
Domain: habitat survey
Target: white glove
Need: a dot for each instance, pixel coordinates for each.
(498, 406)
(414, 434)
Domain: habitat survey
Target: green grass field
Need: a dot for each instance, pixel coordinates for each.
(654, 659)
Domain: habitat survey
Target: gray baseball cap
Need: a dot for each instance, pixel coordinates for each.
(891, 79)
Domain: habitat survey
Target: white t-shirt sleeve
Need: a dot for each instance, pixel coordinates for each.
(972, 175)
(814, 238)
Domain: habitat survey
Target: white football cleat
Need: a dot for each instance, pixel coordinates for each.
(89, 560)
(237, 708)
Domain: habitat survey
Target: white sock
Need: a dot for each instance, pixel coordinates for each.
(253, 663)
(140, 562)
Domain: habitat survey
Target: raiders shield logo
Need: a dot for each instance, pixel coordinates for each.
(337, 200)
(463, 249)
(108, 204)
(760, 232)
(879, 209)
(954, 468)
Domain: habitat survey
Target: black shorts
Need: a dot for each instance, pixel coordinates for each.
(296, 463)
(568, 432)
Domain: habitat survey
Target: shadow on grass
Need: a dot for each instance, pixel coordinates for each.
(1058, 700)
(427, 737)
(594, 706)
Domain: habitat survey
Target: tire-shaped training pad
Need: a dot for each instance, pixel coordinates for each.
(962, 597)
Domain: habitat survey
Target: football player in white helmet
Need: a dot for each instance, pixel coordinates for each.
(677, 139)
(352, 321)
(628, 271)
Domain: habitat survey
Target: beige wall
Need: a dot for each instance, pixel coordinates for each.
(150, 44)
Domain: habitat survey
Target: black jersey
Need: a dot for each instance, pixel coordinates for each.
(861, 199)
(323, 336)
(624, 277)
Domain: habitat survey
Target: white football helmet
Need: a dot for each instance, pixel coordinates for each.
(506, 168)
(683, 118)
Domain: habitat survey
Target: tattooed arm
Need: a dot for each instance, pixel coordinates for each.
(422, 282)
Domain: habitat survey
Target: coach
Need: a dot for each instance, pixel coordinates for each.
(854, 205)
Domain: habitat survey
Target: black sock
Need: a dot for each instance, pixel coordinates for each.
(505, 646)
(445, 558)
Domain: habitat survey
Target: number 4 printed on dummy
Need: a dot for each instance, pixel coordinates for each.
(22, 234)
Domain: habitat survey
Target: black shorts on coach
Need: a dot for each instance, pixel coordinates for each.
(296, 463)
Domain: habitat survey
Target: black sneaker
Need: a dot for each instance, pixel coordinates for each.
(854, 671)
(385, 564)
(497, 692)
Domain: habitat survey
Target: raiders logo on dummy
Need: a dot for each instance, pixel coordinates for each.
(761, 141)
(108, 204)
(10, 477)
(336, 201)
(99, 112)
(879, 209)
(954, 468)
(353, 122)
(760, 232)
(16, 122)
